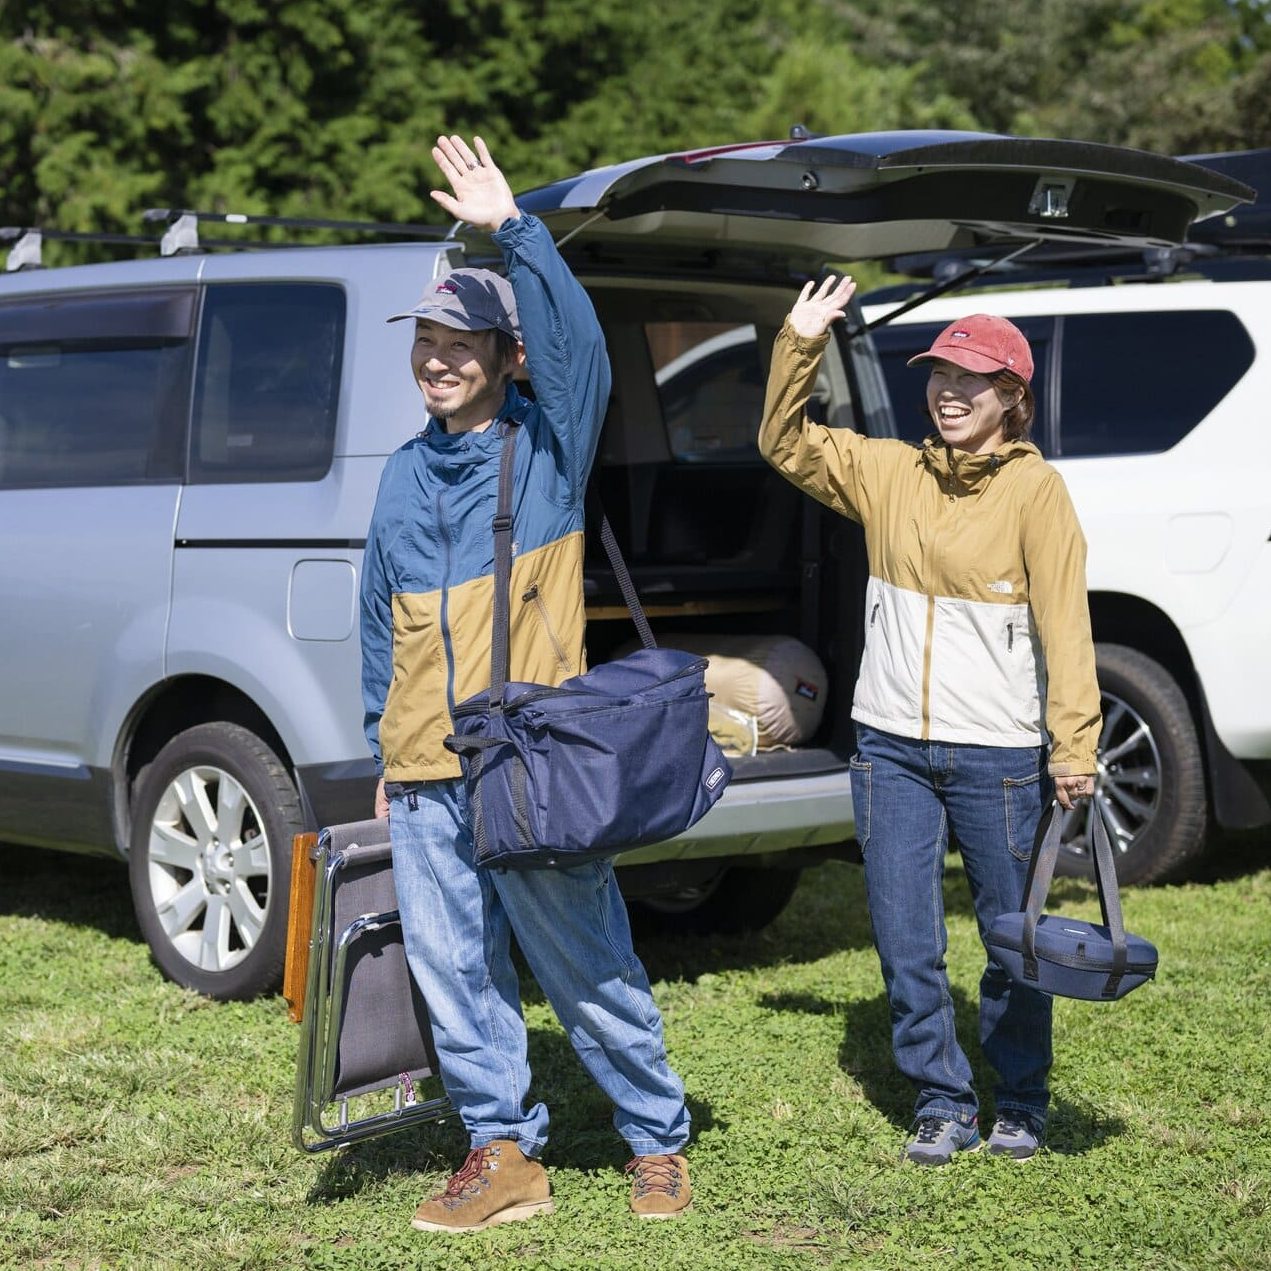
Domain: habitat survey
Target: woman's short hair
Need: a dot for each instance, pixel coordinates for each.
(1017, 422)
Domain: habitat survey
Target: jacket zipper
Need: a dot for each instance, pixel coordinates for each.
(874, 612)
(534, 596)
(1010, 636)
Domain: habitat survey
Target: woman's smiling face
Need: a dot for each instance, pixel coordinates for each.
(966, 408)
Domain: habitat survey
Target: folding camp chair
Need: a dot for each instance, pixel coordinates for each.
(364, 1026)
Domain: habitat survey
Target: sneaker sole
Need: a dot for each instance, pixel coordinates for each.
(931, 1161)
(1007, 1154)
(513, 1213)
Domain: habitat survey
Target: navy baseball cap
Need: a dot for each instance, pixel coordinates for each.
(468, 300)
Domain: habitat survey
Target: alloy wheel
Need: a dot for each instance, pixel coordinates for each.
(1127, 789)
(209, 868)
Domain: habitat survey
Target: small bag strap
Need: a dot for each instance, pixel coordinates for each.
(1041, 871)
(500, 637)
(1105, 872)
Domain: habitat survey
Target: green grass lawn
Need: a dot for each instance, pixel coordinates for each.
(142, 1126)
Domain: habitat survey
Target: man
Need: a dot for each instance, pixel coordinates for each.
(426, 603)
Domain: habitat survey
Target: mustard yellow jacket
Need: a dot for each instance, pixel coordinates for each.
(977, 620)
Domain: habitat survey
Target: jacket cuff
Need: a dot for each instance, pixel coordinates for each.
(511, 233)
(804, 343)
(1078, 767)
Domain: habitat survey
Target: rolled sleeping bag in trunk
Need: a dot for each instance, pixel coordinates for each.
(774, 680)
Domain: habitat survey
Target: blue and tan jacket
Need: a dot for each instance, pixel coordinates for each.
(977, 620)
(427, 585)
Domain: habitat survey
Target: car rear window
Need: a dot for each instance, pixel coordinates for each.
(94, 389)
(267, 383)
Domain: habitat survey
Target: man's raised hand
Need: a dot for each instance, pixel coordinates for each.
(482, 196)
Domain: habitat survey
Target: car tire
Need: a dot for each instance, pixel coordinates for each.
(737, 901)
(1150, 787)
(210, 862)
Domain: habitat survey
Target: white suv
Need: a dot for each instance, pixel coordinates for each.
(1153, 402)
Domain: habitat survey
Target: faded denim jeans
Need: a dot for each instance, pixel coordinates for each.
(909, 795)
(571, 925)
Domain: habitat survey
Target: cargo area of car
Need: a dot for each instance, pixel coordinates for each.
(719, 545)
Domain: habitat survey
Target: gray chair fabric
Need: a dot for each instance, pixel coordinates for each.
(365, 1026)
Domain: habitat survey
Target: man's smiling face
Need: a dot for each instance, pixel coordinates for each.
(459, 374)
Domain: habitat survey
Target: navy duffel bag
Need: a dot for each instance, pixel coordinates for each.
(1067, 956)
(611, 759)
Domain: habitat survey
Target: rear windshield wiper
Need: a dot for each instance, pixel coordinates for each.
(959, 279)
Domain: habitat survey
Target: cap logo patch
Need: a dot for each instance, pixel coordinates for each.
(448, 287)
(959, 335)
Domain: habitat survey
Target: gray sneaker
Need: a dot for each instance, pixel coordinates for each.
(937, 1138)
(1013, 1136)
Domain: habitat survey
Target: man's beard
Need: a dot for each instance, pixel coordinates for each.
(441, 412)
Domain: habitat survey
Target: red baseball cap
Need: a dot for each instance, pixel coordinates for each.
(983, 343)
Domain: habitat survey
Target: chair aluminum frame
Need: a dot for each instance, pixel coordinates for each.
(330, 1006)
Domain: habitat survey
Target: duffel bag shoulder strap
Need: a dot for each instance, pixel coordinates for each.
(500, 637)
(620, 572)
(1041, 871)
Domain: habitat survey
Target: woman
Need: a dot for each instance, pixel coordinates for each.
(976, 693)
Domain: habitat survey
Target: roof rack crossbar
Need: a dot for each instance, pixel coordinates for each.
(408, 229)
(28, 240)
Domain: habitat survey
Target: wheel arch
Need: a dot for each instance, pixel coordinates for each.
(170, 708)
(1116, 618)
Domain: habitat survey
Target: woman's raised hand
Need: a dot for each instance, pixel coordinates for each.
(817, 307)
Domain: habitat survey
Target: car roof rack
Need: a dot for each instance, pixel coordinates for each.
(182, 233)
(28, 240)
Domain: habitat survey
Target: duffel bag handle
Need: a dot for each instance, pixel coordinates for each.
(500, 639)
(1041, 871)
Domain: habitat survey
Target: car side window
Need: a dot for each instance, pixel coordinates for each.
(1136, 383)
(94, 389)
(711, 385)
(267, 382)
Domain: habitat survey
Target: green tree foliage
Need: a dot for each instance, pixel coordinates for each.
(328, 107)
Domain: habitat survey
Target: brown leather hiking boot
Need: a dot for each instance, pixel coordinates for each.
(660, 1188)
(496, 1183)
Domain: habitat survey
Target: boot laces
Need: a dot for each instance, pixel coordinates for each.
(469, 1178)
(655, 1174)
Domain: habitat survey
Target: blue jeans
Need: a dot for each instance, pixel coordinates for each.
(571, 925)
(908, 795)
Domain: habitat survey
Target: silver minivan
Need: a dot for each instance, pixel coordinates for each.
(190, 447)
